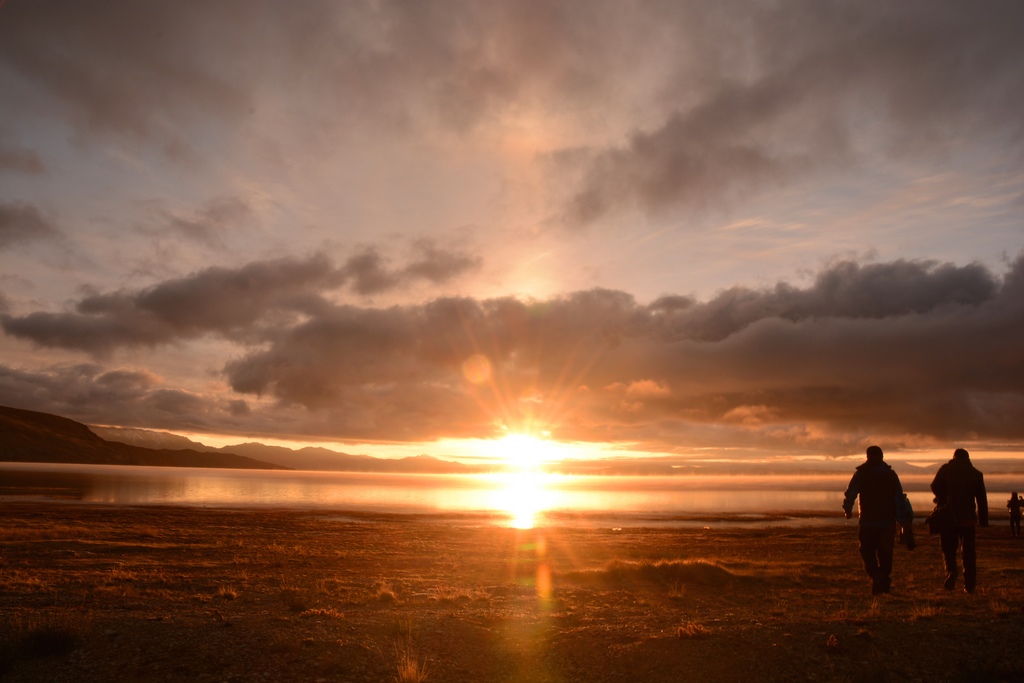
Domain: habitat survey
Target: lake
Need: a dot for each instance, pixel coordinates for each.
(516, 499)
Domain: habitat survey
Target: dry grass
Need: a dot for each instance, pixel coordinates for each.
(385, 592)
(148, 586)
(925, 611)
(670, 573)
(411, 669)
(227, 593)
(693, 629)
(1002, 608)
(295, 598)
(321, 612)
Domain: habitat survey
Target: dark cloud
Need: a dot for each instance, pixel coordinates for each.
(736, 97)
(137, 71)
(935, 358)
(437, 266)
(207, 225)
(145, 72)
(20, 159)
(241, 304)
(910, 353)
(92, 394)
(368, 272)
(824, 82)
(20, 223)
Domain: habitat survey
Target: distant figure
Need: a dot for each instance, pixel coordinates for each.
(959, 484)
(881, 497)
(1014, 505)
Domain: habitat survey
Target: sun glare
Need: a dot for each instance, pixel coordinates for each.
(523, 452)
(524, 497)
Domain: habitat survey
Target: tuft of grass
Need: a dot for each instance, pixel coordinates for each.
(120, 574)
(227, 593)
(671, 573)
(693, 629)
(295, 599)
(385, 592)
(1002, 608)
(449, 595)
(318, 612)
(925, 611)
(285, 644)
(410, 668)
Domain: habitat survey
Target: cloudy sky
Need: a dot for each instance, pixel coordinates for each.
(673, 227)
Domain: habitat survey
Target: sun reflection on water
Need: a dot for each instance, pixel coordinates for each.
(524, 496)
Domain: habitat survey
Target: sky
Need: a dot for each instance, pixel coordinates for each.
(717, 229)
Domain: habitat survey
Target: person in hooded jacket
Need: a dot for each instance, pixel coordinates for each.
(881, 494)
(959, 484)
(1014, 505)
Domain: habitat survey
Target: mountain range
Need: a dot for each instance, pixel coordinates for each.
(29, 436)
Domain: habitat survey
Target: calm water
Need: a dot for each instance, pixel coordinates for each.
(516, 499)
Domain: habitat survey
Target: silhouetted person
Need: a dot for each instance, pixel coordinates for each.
(881, 494)
(959, 484)
(1014, 506)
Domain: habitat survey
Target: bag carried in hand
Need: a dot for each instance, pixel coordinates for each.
(941, 519)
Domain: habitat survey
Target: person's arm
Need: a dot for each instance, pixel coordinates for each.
(852, 491)
(982, 497)
(904, 513)
(939, 488)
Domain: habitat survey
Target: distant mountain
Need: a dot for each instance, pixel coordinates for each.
(148, 438)
(310, 458)
(306, 458)
(28, 436)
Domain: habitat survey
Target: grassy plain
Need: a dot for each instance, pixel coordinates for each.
(97, 593)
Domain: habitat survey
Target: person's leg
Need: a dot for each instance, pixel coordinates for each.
(949, 540)
(968, 548)
(868, 538)
(886, 541)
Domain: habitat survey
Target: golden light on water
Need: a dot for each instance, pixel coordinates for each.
(524, 493)
(524, 496)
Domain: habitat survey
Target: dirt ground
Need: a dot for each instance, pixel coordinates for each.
(97, 593)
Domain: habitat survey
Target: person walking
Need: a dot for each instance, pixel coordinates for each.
(1014, 506)
(959, 485)
(881, 495)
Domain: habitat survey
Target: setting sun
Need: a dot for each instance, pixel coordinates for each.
(524, 452)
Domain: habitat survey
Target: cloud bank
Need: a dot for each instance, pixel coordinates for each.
(917, 352)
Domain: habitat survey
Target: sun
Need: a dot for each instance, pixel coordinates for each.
(524, 452)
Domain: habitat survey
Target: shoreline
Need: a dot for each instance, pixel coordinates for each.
(97, 593)
(548, 519)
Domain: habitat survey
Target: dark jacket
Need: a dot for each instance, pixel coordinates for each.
(959, 483)
(880, 494)
(1014, 505)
